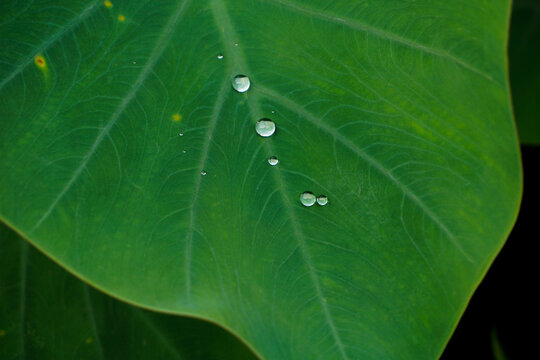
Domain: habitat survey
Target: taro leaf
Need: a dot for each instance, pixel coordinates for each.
(524, 52)
(46, 313)
(398, 111)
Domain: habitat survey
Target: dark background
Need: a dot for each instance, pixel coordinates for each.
(504, 303)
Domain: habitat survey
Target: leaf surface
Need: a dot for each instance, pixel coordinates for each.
(399, 112)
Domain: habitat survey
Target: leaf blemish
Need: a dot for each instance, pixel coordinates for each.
(40, 62)
(89, 340)
(108, 4)
(176, 117)
(121, 18)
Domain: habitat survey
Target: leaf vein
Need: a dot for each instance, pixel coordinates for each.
(224, 23)
(369, 159)
(147, 69)
(198, 178)
(73, 23)
(383, 34)
(93, 320)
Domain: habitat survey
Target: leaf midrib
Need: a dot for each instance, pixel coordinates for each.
(228, 34)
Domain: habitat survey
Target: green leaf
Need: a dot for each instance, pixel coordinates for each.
(524, 52)
(399, 112)
(498, 352)
(46, 313)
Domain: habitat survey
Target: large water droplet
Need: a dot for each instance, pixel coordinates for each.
(265, 127)
(220, 56)
(240, 83)
(203, 172)
(273, 161)
(307, 198)
(322, 200)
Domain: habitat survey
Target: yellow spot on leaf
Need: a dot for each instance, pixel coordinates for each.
(2, 332)
(40, 62)
(108, 4)
(121, 18)
(88, 340)
(177, 117)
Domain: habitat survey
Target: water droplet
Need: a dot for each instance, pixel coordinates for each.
(180, 134)
(322, 200)
(273, 111)
(203, 172)
(307, 198)
(273, 161)
(235, 44)
(240, 83)
(265, 127)
(184, 151)
(134, 62)
(220, 56)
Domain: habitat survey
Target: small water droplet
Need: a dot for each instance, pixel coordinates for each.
(184, 151)
(273, 161)
(134, 62)
(180, 134)
(241, 83)
(273, 111)
(307, 198)
(220, 56)
(322, 200)
(265, 127)
(203, 172)
(235, 44)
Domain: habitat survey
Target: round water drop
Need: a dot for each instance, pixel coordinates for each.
(235, 44)
(307, 198)
(180, 134)
(265, 127)
(203, 172)
(273, 160)
(322, 200)
(220, 56)
(240, 83)
(184, 151)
